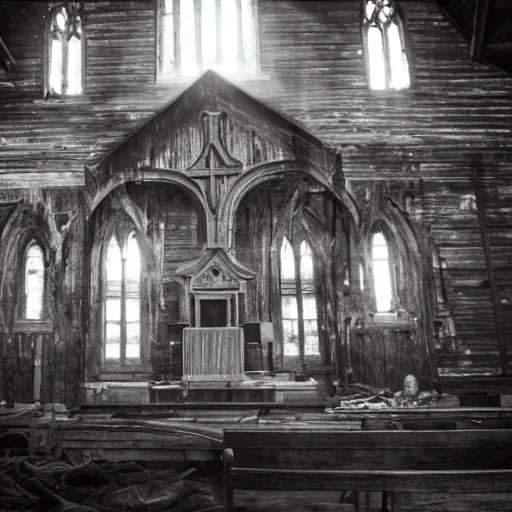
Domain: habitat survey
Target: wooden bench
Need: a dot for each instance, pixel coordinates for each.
(401, 461)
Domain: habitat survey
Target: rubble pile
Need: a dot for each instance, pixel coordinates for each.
(39, 483)
(362, 396)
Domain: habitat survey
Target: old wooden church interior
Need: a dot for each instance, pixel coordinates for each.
(256, 246)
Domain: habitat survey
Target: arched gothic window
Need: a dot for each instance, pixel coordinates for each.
(122, 302)
(297, 278)
(386, 53)
(34, 282)
(382, 273)
(65, 49)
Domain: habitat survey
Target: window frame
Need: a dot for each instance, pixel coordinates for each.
(21, 323)
(112, 366)
(391, 273)
(405, 40)
(291, 287)
(53, 9)
(397, 316)
(176, 76)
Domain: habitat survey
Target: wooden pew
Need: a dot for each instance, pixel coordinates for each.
(436, 461)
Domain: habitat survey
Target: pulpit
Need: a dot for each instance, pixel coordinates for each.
(213, 353)
(213, 347)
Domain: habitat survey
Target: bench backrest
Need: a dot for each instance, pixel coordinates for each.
(296, 448)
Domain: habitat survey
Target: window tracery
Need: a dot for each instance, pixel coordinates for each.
(387, 58)
(65, 49)
(122, 302)
(298, 264)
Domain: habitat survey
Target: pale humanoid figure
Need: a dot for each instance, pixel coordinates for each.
(410, 388)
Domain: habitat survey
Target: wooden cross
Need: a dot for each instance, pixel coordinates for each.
(214, 162)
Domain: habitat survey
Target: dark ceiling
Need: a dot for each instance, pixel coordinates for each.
(487, 24)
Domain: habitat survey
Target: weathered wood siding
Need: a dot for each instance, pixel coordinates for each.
(52, 352)
(312, 59)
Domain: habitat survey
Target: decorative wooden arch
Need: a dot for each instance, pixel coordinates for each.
(266, 172)
(152, 175)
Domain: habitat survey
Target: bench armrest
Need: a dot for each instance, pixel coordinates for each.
(228, 461)
(228, 457)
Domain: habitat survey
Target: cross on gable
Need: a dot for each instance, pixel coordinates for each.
(214, 165)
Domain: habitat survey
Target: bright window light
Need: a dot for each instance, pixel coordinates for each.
(388, 67)
(287, 261)
(132, 300)
(209, 33)
(377, 62)
(74, 66)
(188, 54)
(306, 261)
(113, 301)
(289, 304)
(226, 30)
(398, 60)
(381, 273)
(65, 50)
(122, 331)
(34, 283)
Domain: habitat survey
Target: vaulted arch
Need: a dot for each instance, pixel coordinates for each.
(263, 173)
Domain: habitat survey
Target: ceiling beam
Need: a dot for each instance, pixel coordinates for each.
(479, 23)
(7, 62)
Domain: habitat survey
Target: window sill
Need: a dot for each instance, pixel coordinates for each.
(181, 80)
(135, 375)
(33, 326)
(390, 320)
(392, 91)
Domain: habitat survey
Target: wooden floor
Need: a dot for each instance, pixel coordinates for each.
(192, 433)
(316, 501)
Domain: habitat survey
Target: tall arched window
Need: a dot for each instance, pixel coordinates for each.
(65, 49)
(386, 53)
(381, 273)
(122, 302)
(34, 282)
(299, 314)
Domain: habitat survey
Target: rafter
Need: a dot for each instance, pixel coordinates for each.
(7, 62)
(479, 24)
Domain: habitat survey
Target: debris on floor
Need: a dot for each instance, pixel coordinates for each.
(362, 396)
(38, 482)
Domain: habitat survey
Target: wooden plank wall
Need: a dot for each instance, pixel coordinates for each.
(50, 353)
(312, 61)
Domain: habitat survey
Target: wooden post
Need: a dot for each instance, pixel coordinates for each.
(300, 306)
(228, 460)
